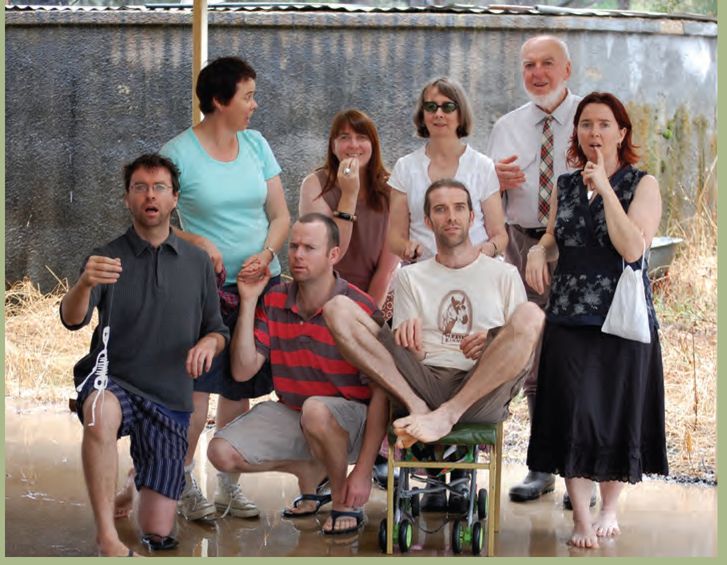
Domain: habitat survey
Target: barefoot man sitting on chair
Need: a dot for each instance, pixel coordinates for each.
(464, 332)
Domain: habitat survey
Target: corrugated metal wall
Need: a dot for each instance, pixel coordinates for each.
(86, 92)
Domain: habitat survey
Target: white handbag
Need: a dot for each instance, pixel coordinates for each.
(628, 316)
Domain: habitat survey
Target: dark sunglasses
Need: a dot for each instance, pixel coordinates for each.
(447, 107)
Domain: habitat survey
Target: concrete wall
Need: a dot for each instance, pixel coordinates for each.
(87, 92)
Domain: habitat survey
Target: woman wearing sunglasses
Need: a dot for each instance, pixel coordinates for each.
(351, 188)
(443, 117)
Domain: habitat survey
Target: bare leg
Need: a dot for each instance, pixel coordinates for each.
(606, 524)
(156, 513)
(193, 505)
(583, 535)
(197, 423)
(228, 410)
(227, 459)
(356, 337)
(501, 362)
(328, 443)
(100, 466)
(124, 501)
(228, 494)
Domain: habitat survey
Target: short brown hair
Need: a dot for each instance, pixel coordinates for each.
(219, 80)
(151, 161)
(334, 237)
(445, 183)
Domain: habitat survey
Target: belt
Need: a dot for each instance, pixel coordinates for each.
(534, 233)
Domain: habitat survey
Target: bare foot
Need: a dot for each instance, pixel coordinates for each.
(117, 549)
(606, 526)
(342, 522)
(124, 501)
(583, 535)
(424, 427)
(403, 439)
(304, 507)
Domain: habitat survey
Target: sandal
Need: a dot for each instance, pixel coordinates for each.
(155, 542)
(319, 499)
(336, 514)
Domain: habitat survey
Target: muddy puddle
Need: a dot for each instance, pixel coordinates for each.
(47, 511)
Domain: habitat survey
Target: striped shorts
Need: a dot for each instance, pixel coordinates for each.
(158, 441)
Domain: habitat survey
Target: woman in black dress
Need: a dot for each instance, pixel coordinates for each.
(600, 410)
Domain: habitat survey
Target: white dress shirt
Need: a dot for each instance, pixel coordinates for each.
(520, 133)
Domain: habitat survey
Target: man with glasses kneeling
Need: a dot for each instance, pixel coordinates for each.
(160, 324)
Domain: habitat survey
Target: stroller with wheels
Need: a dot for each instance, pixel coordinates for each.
(462, 449)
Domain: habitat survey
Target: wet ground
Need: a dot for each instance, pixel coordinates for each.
(47, 511)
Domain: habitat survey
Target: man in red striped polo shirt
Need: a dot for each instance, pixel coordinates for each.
(328, 415)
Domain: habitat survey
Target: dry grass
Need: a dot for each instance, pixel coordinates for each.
(40, 353)
(686, 304)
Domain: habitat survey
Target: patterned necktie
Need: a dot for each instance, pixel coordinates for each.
(546, 171)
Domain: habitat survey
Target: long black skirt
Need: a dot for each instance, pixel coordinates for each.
(599, 410)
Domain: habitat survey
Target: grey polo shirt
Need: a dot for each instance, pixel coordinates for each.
(164, 301)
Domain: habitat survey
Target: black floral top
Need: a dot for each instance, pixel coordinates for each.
(588, 265)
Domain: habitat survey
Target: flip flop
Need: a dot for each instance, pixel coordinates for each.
(319, 499)
(155, 542)
(336, 514)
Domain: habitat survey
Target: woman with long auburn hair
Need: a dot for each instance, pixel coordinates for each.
(351, 188)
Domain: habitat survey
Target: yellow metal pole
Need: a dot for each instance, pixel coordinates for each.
(199, 51)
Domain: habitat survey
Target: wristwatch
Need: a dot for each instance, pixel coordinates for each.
(272, 252)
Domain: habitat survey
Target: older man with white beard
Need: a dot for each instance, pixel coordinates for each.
(529, 147)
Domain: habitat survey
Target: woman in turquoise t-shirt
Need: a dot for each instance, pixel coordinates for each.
(232, 205)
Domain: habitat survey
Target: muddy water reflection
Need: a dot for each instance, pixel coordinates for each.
(47, 511)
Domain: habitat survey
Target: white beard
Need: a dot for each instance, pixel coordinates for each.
(548, 101)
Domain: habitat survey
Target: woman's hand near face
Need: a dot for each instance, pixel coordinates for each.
(347, 176)
(595, 176)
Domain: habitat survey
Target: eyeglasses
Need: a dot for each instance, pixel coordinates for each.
(432, 107)
(141, 188)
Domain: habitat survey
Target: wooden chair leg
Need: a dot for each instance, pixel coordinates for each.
(390, 502)
(498, 486)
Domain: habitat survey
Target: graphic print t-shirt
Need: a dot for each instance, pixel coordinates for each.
(454, 303)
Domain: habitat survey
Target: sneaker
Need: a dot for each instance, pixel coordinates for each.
(230, 500)
(193, 505)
